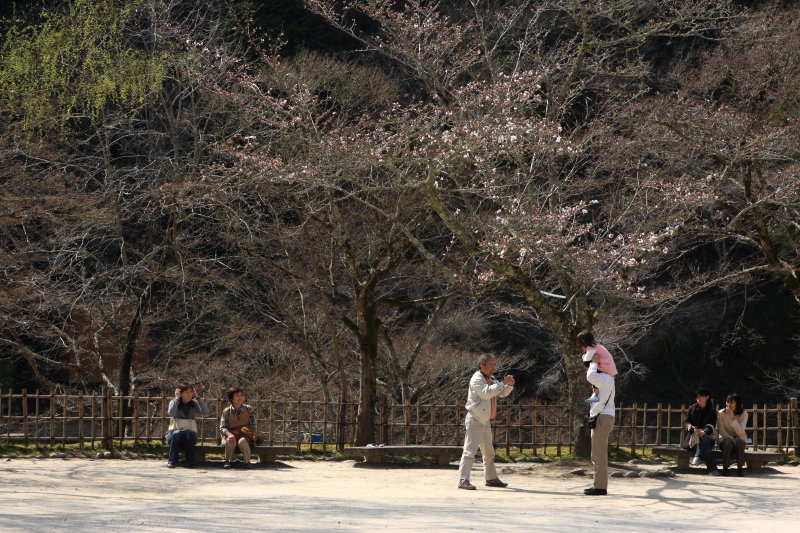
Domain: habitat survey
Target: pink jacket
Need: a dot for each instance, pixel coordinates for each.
(605, 363)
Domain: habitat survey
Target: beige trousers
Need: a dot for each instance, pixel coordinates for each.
(244, 447)
(477, 436)
(600, 435)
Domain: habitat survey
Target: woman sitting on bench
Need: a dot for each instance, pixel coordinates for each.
(235, 418)
(182, 431)
(731, 423)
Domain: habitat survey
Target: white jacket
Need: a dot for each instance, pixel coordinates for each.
(607, 393)
(480, 394)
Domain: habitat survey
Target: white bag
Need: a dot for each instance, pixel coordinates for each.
(182, 424)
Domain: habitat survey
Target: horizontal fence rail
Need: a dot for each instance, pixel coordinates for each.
(92, 420)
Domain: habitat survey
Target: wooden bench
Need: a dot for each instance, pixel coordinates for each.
(266, 454)
(374, 454)
(755, 459)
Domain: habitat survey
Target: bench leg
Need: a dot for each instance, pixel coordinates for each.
(200, 457)
(266, 458)
(754, 465)
(683, 463)
(372, 459)
(443, 460)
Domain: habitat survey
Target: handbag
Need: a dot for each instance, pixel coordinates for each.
(690, 441)
(251, 435)
(182, 424)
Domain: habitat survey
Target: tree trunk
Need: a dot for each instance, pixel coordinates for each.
(577, 387)
(368, 327)
(126, 361)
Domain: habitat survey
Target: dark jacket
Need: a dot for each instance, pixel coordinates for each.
(705, 419)
(699, 418)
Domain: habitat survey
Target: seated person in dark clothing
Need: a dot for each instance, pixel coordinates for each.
(701, 420)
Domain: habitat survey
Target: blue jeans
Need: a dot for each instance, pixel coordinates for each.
(182, 440)
(703, 451)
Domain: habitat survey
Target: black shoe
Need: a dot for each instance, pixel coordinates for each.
(595, 492)
(496, 483)
(724, 471)
(226, 464)
(739, 473)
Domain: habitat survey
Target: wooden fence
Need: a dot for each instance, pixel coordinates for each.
(97, 420)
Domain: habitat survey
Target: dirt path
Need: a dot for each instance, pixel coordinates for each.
(45, 495)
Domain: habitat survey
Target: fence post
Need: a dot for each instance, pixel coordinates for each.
(457, 424)
(52, 417)
(387, 415)
(658, 425)
(644, 426)
(80, 420)
(340, 415)
(299, 415)
(508, 429)
(8, 421)
(25, 415)
(669, 423)
(406, 421)
(64, 420)
(164, 425)
(36, 414)
(416, 426)
(92, 413)
(534, 450)
(755, 426)
(558, 432)
(312, 415)
(105, 413)
(325, 425)
(795, 425)
(633, 428)
(135, 425)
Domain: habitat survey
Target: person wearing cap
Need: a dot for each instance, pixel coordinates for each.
(701, 419)
(484, 389)
(604, 410)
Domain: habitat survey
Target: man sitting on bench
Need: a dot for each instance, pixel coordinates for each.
(700, 422)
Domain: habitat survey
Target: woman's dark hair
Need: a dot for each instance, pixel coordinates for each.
(184, 386)
(735, 397)
(232, 391)
(585, 338)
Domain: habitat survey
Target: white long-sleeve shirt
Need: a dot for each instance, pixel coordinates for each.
(605, 384)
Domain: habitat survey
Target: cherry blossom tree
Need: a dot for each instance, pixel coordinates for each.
(501, 160)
